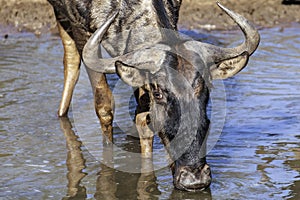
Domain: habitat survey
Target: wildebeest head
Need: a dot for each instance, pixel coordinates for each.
(177, 78)
(178, 98)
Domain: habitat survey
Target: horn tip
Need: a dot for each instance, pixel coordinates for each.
(219, 4)
(223, 8)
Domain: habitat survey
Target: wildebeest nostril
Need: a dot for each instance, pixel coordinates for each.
(206, 169)
(193, 179)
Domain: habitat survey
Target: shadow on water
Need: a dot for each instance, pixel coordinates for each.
(256, 157)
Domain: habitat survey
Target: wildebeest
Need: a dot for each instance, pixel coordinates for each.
(173, 73)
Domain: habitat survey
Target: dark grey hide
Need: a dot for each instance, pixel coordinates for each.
(179, 116)
(82, 17)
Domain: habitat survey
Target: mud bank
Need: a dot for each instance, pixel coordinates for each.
(37, 15)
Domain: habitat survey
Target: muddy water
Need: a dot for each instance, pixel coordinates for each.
(257, 156)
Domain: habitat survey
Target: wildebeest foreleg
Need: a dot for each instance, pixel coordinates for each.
(142, 120)
(71, 70)
(103, 104)
(145, 133)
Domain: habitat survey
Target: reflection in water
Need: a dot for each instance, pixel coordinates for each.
(106, 183)
(271, 163)
(75, 161)
(145, 186)
(113, 184)
(294, 163)
(203, 195)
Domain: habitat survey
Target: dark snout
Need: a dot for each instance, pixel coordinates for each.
(189, 179)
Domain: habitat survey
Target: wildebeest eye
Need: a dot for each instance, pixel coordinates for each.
(157, 95)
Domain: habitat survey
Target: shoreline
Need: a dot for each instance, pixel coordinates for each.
(37, 16)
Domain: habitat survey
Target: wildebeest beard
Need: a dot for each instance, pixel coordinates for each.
(181, 120)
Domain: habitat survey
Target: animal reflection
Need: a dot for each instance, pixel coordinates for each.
(110, 182)
(75, 161)
(107, 187)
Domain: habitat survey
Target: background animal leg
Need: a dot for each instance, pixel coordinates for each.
(71, 70)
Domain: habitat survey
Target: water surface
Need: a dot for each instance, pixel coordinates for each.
(257, 155)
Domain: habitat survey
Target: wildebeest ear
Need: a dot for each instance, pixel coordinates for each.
(131, 75)
(229, 67)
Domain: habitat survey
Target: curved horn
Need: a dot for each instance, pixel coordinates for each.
(139, 58)
(219, 54)
(252, 37)
(91, 48)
